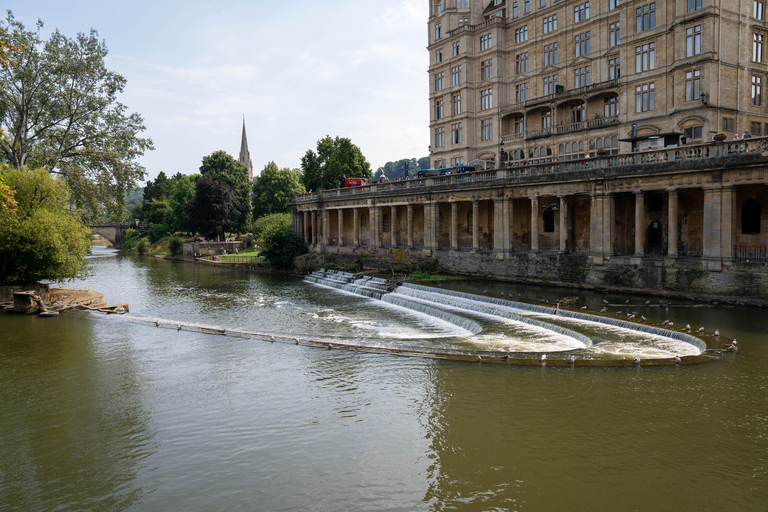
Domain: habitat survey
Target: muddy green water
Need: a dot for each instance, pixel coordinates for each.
(102, 413)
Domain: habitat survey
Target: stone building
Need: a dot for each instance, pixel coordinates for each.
(536, 80)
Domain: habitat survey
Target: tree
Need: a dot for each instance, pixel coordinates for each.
(280, 244)
(43, 239)
(274, 190)
(182, 193)
(221, 166)
(335, 160)
(59, 111)
(215, 209)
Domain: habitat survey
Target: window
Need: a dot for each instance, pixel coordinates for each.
(645, 97)
(693, 41)
(519, 124)
(578, 112)
(614, 34)
(582, 77)
(550, 84)
(439, 81)
(521, 92)
(456, 133)
(645, 57)
(693, 132)
(438, 56)
(439, 112)
(757, 47)
(521, 34)
(462, 4)
(550, 54)
(581, 12)
(549, 23)
(549, 221)
(614, 68)
(521, 63)
(456, 75)
(514, 9)
(727, 124)
(463, 21)
(750, 217)
(457, 160)
(526, 6)
(546, 119)
(612, 4)
(754, 128)
(645, 18)
(611, 106)
(456, 48)
(456, 104)
(582, 44)
(485, 42)
(757, 90)
(440, 137)
(757, 9)
(438, 31)
(486, 99)
(694, 5)
(693, 85)
(486, 69)
(439, 6)
(486, 129)
(542, 3)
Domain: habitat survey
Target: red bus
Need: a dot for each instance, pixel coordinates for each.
(355, 182)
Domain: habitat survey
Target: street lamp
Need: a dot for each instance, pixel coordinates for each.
(501, 153)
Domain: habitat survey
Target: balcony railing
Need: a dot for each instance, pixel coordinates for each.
(471, 28)
(751, 253)
(572, 93)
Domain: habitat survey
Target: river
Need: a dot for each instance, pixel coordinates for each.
(112, 413)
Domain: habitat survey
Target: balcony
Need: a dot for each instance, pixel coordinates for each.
(572, 93)
(472, 28)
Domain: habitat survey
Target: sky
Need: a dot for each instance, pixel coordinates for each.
(297, 70)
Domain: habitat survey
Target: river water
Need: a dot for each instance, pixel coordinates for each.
(112, 413)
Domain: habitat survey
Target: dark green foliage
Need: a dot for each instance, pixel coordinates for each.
(175, 245)
(274, 189)
(215, 209)
(141, 247)
(156, 232)
(280, 244)
(335, 160)
(130, 233)
(262, 223)
(221, 166)
(392, 170)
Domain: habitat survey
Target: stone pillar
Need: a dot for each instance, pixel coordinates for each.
(428, 226)
(535, 224)
(673, 235)
(712, 225)
(454, 225)
(371, 226)
(498, 228)
(563, 225)
(315, 224)
(475, 225)
(507, 213)
(326, 228)
(307, 218)
(639, 223)
(341, 227)
(727, 230)
(609, 221)
(393, 226)
(410, 226)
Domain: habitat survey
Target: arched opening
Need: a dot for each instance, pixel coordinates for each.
(750, 217)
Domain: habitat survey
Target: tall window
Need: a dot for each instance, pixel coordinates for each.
(514, 9)
(757, 90)
(693, 41)
(578, 112)
(694, 5)
(456, 75)
(526, 6)
(614, 34)
(582, 77)
(440, 137)
(456, 48)
(612, 4)
(727, 124)
(645, 97)
(463, 21)
(549, 23)
(611, 106)
(486, 129)
(614, 68)
(645, 18)
(550, 54)
(439, 81)
(546, 119)
(645, 57)
(754, 128)
(486, 99)
(521, 63)
(438, 56)
(550, 84)
(519, 124)
(757, 47)
(581, 12)
(521, 34)
(485, 42)
(693, 85)
(463, 4)
(456, 104)
(757, 9)
(439, 112)
(456, 133)
(542, 3)
(582, 44)
(438, 31)
(521, 92)
(486, 69)
(439, 6)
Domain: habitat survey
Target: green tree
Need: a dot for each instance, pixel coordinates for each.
(335, 160)
(274, 189)
(182, 193)
(43, 239)
(59, 111)
(221, 166)
(215, 209)
(280, 244)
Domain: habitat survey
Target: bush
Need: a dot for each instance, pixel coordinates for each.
(263, 223)
(141, 248)
(157, 232)
(280, 244)
(175, 245)
(130, 233)
(329, 266)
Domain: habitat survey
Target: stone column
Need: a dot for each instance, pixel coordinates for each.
(563, 225)
(393, 226)
(326, 229)
(475, 225)
(639, 223)
(609, 221)
(727, 230)
(340, 240)
(454, 225)
(356, 227)
(498, 228)
(712, 225)
(673, 235)
(430, 226)
(410, 226)
(535, 224)
(315, 224)
(508, 214)
(307, 218)
(371, 226)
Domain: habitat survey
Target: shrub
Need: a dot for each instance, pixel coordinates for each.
(280, 244)
(329, 266)
(175, 245)
(156, 232)
(141, 248)
(263, 223)
(130, 233)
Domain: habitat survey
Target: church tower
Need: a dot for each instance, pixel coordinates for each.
(245, 155)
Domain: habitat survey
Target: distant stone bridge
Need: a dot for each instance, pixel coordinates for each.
(114, 233)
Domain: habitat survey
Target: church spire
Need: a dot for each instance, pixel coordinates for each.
(245, 155)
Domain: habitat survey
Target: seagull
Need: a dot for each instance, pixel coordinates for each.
(688, 327)
(505, 357)
(647, 302)
(502, 294)
(637, 360)
(701, 329)
(678, 360)
(734, 347)
(717, 332)
(485, 291)
(605, 302)
(583, 308)
(297, 341)
(619, 312)
(572, 359)
(665, 322)
(631, 317)
(603, 310)
(479, 359)
(670, 324)
(330, 346)
(157, 324)
(627, 301)
(543, 358)
(642, 317)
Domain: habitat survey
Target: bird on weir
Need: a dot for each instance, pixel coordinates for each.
(603, 310)
(583, 308)
(678, 360)
(637, 361)
(701, 329)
